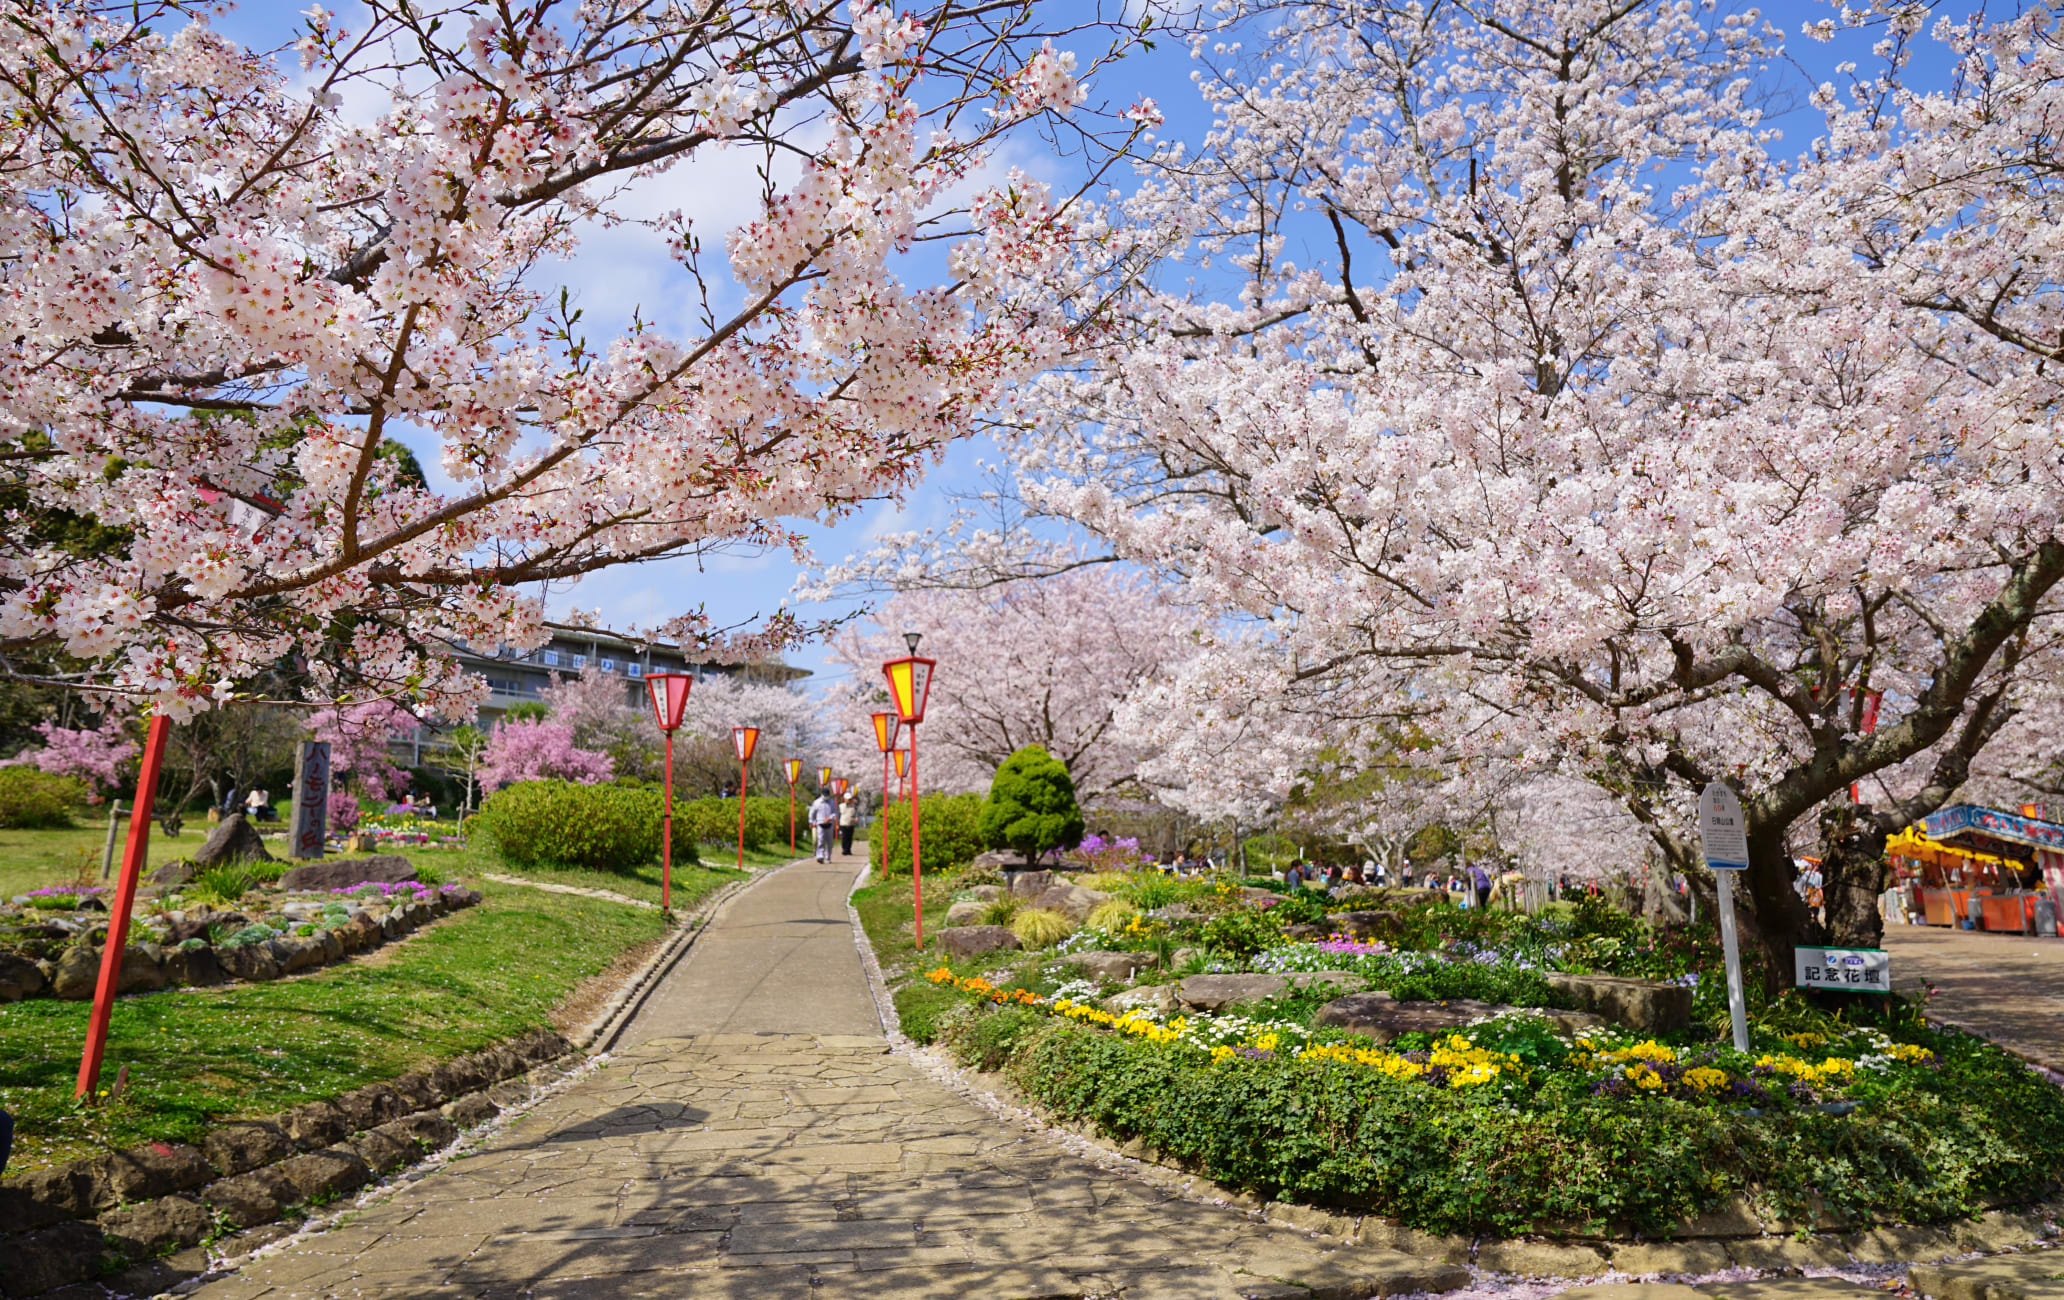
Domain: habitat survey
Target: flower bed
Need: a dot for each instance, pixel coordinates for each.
(1491, 1130)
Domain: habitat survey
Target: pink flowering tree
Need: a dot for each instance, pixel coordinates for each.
(536, 749)
(1045, 663)
(234, 285)
(358, 736)
(1530, 398)
(99, 755)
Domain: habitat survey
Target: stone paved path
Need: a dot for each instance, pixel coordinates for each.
(2009, 988)
(757, 1139)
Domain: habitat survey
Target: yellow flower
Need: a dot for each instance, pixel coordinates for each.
(1705, 1078)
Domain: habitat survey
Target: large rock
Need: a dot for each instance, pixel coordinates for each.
(168, 1222)
(384, 869)
(967, 940)
(19, 977)
(966, 913)
(1648, 1005)
(1369, 924)
(1118, 967)
(77, 972)
(994, 860)
(234, 1148)
(983, 893)
(1383, 1018)
(250, 961)
(1028, 884)
(143, 969)
(1215, 992)
(1344, 981)
(233, 840)
(194, 966)
(177, 872)
(204, 925)
(1072, 901)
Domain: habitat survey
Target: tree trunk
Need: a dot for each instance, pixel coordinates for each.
(1853, 872)
(1781, 920)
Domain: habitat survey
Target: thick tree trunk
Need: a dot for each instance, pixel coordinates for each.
(1781, 920)
(1853, 872)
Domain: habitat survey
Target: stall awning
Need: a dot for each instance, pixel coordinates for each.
(1971, 822)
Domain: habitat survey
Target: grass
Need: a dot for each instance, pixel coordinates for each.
(888, 915)
(33, 859)
(202, 1055)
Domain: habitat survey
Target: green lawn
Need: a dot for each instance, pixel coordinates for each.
(33, 859)
(200, 1055)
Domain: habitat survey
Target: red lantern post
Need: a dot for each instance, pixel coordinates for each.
(910, 681)
(669, 693)
(133, 854)
(743, 739)
(795, 769)
(885, 728)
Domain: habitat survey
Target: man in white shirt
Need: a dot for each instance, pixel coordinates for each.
(823, 821)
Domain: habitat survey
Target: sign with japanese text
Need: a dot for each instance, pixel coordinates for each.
(1723, 831)
(1854, 970)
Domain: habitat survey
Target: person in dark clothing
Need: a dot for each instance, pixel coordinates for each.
(6, 1138)
(1482, 881)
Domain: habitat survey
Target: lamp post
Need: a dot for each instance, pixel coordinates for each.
(885, 727)
(669, 692)
(743, 739)
(795, 769)
(910, 681)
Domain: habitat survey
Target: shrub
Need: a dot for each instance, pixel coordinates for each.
(560, 823)
(1036, 927)
(223, 883)
(31, 799)
(949, 826)
(1242, 934)
(1031, 805)
(1109, 916)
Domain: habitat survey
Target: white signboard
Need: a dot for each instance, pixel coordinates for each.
(1853, 970)
(1723, 830)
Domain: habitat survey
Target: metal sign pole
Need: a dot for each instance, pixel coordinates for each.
(1724, 835)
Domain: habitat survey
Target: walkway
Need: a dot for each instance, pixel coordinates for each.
(2009, 988)
(755, 1138)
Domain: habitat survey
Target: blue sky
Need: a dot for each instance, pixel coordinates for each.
(627, 269)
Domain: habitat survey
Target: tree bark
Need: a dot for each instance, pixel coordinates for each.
(1853, 872)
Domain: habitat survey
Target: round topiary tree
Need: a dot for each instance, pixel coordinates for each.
(1031, 805)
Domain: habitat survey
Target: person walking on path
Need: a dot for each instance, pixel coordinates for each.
(848, 819)
(1482, 881)
(823, 817)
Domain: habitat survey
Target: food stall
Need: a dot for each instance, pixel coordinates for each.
(1983, 865)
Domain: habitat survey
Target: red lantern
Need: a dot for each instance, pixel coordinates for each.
(744, 740)
(669, 693)
(910, 684)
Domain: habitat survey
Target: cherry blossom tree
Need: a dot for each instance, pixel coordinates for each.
(231, 289)
(534, 749)
(1045, 663)
(1521, 392)
(358, 735)
(97, 755)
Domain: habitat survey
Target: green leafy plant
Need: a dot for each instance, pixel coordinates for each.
(1242, 934)
(950, 836)
(1112, 914)
(561, 823)
(1002, 910)
(223, 883)
(1031, 806)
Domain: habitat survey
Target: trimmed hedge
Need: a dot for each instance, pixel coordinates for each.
(949, 829)
(598, 827)
(1981, 1128)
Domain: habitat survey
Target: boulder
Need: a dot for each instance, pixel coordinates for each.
(1647, 1005)
(233, 840)
(984, 893)
(153, 1169)
(250, 1199)
(1215, 992)
(385, 869)
(248, 961)
(473, 1108)
(965, 913)
(1251, 894)
(1072, 901)
(1118, 967)
(55, 1257)
(967, 940)
(1383, 1017)
(19, 977)
(367, 1107)
(1345, 981)
(358, 934)
(1184, 956)
(303, 951)
(314, 1125)
(994, 860)
(178, 872)
(324, 1173)
(1366, 924)
(1147, 997)
(204, 925)
(194, 966)
(78, 970)
(1028, 884)
(143, 969)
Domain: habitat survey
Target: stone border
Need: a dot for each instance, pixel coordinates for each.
(168, 1199)
(163, 1203)
(1729, 1237)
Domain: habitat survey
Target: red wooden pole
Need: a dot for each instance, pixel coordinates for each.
(791, 817)
(882, 822)
(125, 898)
(741, 814)
(916, 870)
(666, 844)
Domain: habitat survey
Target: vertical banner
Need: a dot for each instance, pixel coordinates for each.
(311, 799)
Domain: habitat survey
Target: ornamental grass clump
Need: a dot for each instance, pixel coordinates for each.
(1112, 916)
(1037, 927)
(1002, 911)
